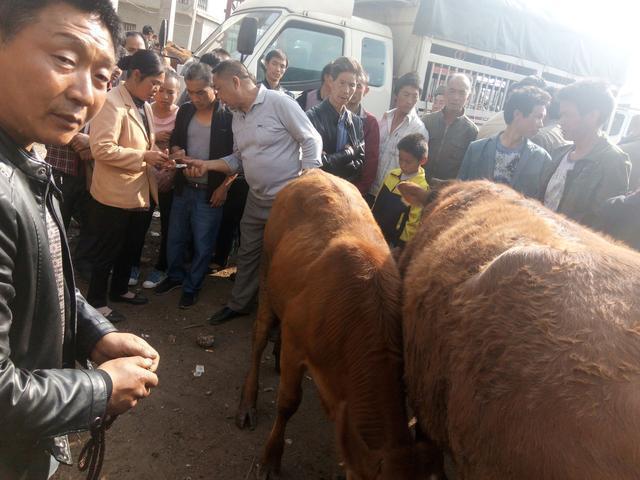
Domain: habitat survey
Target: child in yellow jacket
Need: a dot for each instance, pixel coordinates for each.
(398, 221)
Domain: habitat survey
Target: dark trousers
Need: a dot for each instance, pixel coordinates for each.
(232, 214)
(165, 199)
(118, 235)
(75, 198)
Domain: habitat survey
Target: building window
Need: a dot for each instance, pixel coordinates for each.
(129, 27)
(203, 4)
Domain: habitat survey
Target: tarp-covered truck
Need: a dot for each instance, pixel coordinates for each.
(495, 42)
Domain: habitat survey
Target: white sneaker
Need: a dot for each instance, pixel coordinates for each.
(154, 279)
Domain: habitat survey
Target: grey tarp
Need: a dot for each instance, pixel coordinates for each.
(512, 28)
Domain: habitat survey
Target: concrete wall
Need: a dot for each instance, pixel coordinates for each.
(146, 12)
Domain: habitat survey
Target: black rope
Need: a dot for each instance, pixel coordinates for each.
(92, 454)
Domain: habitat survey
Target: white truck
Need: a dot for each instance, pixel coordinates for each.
(489, 40)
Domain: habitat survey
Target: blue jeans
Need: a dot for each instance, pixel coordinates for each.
(192, 217)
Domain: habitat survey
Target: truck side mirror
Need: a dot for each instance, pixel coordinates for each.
(247, 35)
(162, 34)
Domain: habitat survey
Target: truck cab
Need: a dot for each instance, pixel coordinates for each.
(311, 35)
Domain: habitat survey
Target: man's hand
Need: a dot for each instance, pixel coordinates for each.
(219, 196)
(132, 380)
(196, 168)
(117, 345)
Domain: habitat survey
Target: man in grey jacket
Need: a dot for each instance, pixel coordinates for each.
(510, 157)
(56, 57)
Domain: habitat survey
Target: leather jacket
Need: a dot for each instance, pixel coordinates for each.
(42, 396)
(346, 163)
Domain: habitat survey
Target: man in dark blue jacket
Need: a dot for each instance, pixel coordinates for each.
(510, 157)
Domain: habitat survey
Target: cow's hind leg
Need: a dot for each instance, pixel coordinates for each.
(289, 398)
(246, 413)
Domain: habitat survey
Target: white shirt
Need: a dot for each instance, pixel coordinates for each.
(388, 159)
(555, 187)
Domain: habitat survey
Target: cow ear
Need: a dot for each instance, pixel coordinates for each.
(356, 454)
(413, 194)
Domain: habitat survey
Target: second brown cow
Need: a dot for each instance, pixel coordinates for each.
(329, 279)
(522, 339)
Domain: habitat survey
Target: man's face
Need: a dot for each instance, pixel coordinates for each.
(361, 90)
(275, 70)
(134, 43)
(201, 94)
(55, 75)
(407, 98)
(227, 88)
(456, 95)
(573, 124)
(528, 126)
(408, 163)
(342, 89)
(438, 103)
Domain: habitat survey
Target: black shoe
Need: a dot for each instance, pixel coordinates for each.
(187, 300)
(115, 317)
(137, 299)
(166, 286)
(224, 315)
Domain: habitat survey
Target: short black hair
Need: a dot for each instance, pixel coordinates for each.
(344, 65)
(15, 14)
(553, 110)
(277, 53)
(234, 68)
(326, 70)
(147, 29)
(210, 59)
(415, 145)
(589, 96)
(528, 81)
(411, 79)
(524, 100)
(199, 71)
(133, 34)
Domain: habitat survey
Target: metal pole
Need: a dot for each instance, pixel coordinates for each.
(194, 14)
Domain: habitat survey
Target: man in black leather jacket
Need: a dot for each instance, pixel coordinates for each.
(342, 132)
(56, 57)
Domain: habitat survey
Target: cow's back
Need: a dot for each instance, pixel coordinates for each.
(522, 336)
(334, 284)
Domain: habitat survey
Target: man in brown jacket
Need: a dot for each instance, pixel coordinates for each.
(584, 174)
(450, 130)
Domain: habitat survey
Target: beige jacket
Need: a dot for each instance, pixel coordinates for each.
(121, 177)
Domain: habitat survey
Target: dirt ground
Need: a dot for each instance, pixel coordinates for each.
(185, 429)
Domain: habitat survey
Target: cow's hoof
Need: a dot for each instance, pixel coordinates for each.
(246, 417)
(266, 472)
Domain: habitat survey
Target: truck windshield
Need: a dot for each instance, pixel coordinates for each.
(226, 36)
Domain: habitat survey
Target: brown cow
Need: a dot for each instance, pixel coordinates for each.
(522, 339)
(329, 277)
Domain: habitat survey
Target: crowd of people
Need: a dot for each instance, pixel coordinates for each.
(210, 148)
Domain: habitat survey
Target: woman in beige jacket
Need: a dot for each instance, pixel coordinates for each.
(123, 185)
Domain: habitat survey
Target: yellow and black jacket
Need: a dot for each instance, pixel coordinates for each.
(398, 221)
